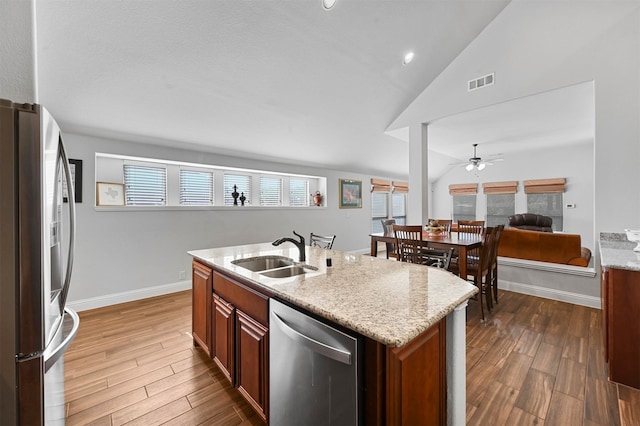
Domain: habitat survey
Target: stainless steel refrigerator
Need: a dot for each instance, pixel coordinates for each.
(36, 257)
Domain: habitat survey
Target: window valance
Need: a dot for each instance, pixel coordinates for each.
(509, 187)
(399, 186)
(540, 186)
(463, 189)
(380, 185)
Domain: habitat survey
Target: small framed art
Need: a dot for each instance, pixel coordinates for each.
(109, 194)
(350, 194)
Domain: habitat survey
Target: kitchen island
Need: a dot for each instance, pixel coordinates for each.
(403, 312)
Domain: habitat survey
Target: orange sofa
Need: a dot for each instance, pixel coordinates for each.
(544, 247)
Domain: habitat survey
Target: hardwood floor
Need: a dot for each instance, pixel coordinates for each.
(534, 361)
(541, 362)
(135, 363)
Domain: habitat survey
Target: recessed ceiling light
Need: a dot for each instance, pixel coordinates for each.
(408, 58)
(328, 4)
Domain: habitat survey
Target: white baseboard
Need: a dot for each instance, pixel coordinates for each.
(128, 296)
(551, 293)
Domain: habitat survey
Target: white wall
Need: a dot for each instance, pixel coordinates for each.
(132, 252)
(17, 51)
(535, 46)
(574, 162)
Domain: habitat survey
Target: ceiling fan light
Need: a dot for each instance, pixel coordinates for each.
(481, 166)
(469, 167)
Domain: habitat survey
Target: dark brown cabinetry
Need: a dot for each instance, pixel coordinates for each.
(621, 323)
(202, 288)
(222, 337)
(253, 357)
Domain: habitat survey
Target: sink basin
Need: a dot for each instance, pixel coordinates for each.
(291, 271)
(262, 263)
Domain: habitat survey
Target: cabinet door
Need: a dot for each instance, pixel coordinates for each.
(417, 380)
(223, 338)
(202, 290)
(253, 361)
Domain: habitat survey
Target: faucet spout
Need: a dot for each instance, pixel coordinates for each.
(299, 244)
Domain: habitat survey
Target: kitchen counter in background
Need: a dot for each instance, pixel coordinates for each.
(388, 301)
(617, 252)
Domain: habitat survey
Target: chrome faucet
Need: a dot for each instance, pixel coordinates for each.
(300, 244)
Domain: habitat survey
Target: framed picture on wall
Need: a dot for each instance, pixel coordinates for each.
(350, 194)
(109, 194)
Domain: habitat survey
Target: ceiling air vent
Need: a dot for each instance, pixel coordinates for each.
(480, 82)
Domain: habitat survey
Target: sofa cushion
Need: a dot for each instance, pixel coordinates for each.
(544, 247)
(531, 222)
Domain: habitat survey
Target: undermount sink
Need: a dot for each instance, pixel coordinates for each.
(263, 263)
(290, 271)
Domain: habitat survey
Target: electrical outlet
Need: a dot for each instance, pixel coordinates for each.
(571, 206)
(181, 275)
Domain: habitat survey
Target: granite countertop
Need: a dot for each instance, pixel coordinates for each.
(617, 252)
(388, 301)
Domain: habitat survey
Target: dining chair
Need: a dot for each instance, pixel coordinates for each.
(494, 263)
(322, 241)
(409, 244)
(387, 229)
(468, 228)
(479, 268)
(437, 258)
(446, 223)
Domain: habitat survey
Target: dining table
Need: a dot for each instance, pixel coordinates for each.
(461, 242)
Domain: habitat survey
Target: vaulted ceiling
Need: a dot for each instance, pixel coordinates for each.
(276, 80)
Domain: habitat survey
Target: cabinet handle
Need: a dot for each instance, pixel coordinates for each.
(318, 347)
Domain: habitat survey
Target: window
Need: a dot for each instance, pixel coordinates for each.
(298, 192)
(196, 188)
(544, 196)
(464, 207)
(145, 186)
(243, 185)
(379, 210)
(168, 183)
(499, 208)
(399, 208)
(270, 191)
(547, 204)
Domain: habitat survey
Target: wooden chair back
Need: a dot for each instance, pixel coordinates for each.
(468, 228)
(409, 243)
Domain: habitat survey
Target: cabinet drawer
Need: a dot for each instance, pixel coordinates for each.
(249, 301)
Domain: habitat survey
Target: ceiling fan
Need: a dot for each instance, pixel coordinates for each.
(476, 162)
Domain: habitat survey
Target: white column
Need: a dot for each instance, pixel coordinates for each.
(18, 65)
(417, 205)
(456, 366)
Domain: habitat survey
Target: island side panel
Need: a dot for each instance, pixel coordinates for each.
(416, 380)
(202, 292)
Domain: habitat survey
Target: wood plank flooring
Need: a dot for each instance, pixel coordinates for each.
(534, 361)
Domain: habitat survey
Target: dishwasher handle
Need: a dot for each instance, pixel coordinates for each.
(318, 347)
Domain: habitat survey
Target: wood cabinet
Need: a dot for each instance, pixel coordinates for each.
(240, 338)
(252, 349)
(407, 385)
(202, 291)
(222, 337)
(621, 321)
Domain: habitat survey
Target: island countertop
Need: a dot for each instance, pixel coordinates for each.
(390, 302)
(616, 251)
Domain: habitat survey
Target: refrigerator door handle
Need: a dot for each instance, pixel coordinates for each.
(318, 347)
(72, 225)
(50, 358)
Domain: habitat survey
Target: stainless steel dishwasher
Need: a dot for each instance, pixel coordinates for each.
(313, 370)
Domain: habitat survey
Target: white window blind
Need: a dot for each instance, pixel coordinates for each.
(379, 210)
(298, 192)
(398, 207)
(196, 188)
(145, 186)
(270, 191)
(243, 186)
